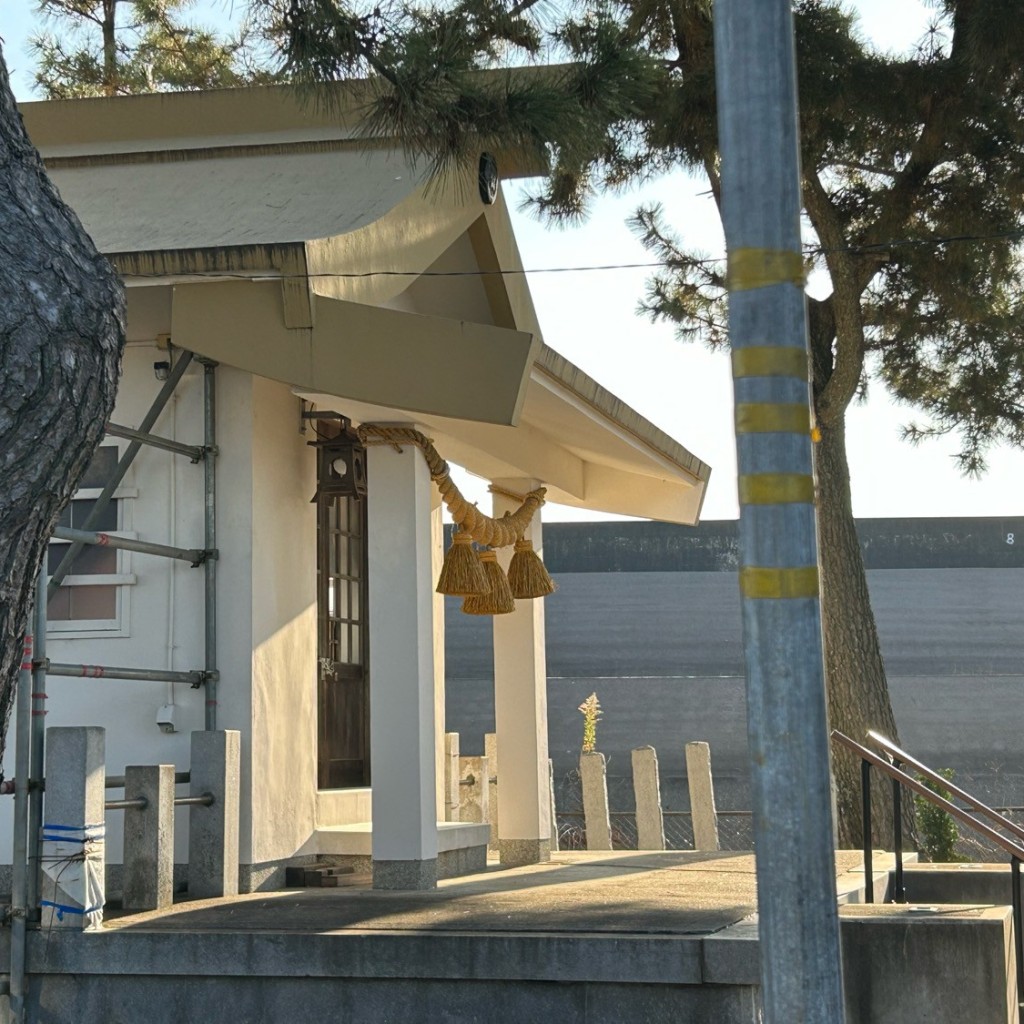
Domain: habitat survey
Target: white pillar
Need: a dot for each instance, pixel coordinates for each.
(436, 561)
(402, 704)
(521, 712)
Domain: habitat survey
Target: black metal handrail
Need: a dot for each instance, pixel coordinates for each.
(892, 768)
(972, 803)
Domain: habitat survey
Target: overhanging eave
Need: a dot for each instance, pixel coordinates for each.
(423, 364)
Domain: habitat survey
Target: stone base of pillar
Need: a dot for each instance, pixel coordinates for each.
(515, 853)
(405, 874)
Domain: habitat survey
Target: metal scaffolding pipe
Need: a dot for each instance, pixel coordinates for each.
(122, 467)
(19, 862)
(195, 452)
(205, 800)
(210, 537)
(138, 804)
(38, 748)
(9, 786)
(110, 672)
(105, 540)
(758, 132)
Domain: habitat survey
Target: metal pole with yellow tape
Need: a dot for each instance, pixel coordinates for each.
(757, 122)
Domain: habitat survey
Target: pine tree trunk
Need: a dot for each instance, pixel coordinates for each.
(61, 336)
(858, 693)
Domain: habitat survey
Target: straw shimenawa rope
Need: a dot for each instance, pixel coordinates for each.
(495, 533)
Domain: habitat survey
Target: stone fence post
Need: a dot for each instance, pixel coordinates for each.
(73, 848)
(554, 810)
(474, 789)
(491, 753)
(451, 776)
(149, 837)
(702, 796)
(650, 824)
(213, 829)
(595, 800)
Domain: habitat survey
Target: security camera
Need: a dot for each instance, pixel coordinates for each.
(165, 718)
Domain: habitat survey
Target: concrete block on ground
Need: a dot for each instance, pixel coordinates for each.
(213, 830)
(491, 753)
(73, 847)
(958, 883)
(474, 789)
(149, 837)
(935, 963)
(702, 796)
(650, 825)
(451, 776)
(593, 779)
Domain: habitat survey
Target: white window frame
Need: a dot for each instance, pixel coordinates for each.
(123, 579)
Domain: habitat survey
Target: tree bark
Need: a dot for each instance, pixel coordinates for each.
(61, 337)
(858, 693)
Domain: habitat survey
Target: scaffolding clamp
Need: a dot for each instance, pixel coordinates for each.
(204, 555)
(204, 676)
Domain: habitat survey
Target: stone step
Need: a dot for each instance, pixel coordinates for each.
(330, 876)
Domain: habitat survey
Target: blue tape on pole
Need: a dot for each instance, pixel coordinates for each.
(63, 909)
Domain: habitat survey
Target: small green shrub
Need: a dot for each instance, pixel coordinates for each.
(938, 829)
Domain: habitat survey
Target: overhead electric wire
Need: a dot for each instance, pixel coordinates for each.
(816, 250)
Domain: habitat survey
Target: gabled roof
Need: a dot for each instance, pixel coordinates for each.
(257, 229)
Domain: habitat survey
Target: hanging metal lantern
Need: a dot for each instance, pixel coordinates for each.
(341, 468)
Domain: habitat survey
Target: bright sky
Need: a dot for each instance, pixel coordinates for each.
(590, 318)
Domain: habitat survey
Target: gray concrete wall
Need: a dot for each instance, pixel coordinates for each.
(663, 651)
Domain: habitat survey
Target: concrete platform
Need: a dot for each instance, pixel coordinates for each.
(591, 938)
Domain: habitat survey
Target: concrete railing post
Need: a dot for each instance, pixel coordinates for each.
(650, 825)
(595, 801)
(702, 796)
(73, 848)
(491, 753)
(474, 789)
(149, 837)
(451, 776)
(213, 829)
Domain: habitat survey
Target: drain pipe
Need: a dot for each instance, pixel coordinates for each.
(37, 748)
(19, 865)
(210, 541)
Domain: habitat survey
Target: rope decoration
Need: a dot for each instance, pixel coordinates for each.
(494, 533)
(476, 576)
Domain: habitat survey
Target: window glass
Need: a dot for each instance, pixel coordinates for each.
(88, 601)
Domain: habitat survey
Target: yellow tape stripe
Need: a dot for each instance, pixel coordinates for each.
(766, 584)
(770, 361)
(776, 489)
(772, 417)
(759, 268)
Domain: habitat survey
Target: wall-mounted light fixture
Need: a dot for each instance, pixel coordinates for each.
(341, 459)
(342, 468)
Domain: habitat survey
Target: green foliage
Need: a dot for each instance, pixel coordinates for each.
(937, 829)
(591, 711)
(913, 166)
(120, 47)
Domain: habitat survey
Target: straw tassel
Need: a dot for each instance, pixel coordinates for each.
(462, 575)
(499, 601)
(527, 576)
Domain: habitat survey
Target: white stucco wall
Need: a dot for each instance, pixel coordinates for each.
(266, 533)
(284, 688)
(165, 506)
